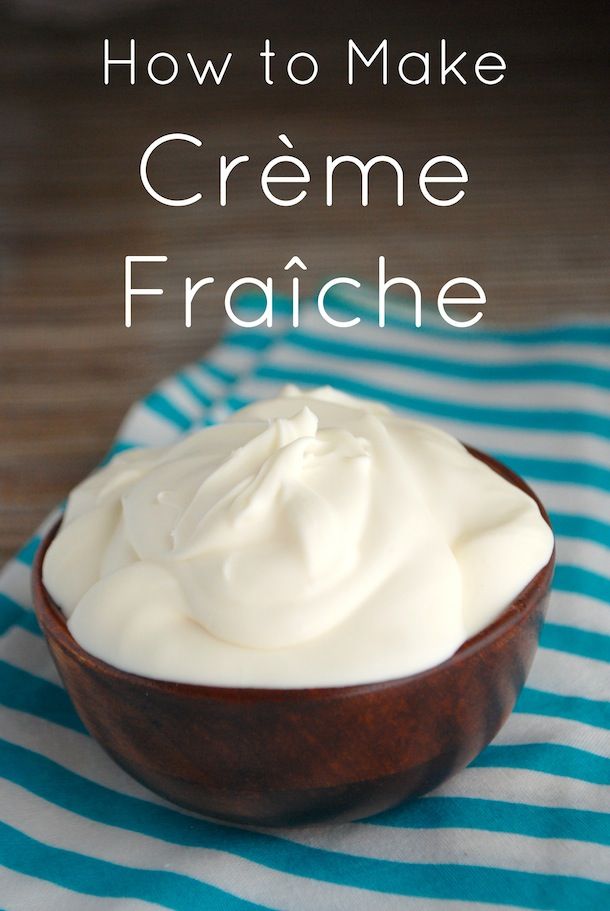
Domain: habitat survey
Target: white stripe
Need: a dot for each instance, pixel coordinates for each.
(48, 522)
(237, 361)
(207, 385)
(523, 728)
(574, 499)
(579, 611)
(15, 582)
(27, 893)
(579, 552)
(213, 386)
(221, 412)
(525, 786)
(147, 428)
(569, 675)
(28, 652)
(181, 399)
(573, 447)
(215, 356)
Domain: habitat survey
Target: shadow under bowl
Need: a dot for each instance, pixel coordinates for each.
(297, 756)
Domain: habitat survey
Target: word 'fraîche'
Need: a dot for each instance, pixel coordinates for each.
(330, 294)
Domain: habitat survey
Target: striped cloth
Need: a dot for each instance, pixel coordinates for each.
(526, 825)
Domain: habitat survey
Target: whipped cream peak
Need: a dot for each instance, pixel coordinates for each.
(314, 539)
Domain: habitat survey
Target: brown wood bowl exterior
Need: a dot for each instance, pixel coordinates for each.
(296, 756)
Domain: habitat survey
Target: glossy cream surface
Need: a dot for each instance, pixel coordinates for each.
(311, 540)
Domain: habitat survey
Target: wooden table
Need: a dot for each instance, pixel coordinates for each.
(531, 229)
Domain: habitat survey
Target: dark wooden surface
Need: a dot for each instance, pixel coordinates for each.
(532, 228)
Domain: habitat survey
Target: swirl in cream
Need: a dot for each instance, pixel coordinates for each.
(311, 540)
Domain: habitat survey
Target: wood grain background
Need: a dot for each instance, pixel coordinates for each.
(532, 228)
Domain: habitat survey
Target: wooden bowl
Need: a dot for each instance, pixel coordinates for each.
(295, 756)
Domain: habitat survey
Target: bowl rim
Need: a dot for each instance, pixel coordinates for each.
(54, 625)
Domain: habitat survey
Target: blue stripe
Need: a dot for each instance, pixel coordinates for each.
(28, 551)
(551, 758)
(581, 581)
(118, 446)
(90, 876)
(497, 816)
(258, 339)
(163, 407)
(575, 641)
(575, 526)
(52, 782)
(216, 371)
(559, 471)
(494, 371)
(200, 397)
(573, 708)
(234, 402)
(569, 421)
(23, 692)
(13, 614)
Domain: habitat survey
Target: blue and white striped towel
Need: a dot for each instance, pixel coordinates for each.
(526, 825)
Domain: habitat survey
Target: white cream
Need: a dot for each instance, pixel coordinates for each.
(312, 540)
